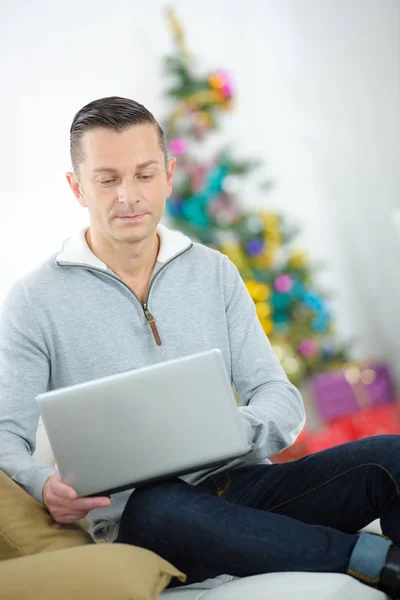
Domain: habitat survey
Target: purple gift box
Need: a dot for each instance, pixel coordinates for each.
(347, 390)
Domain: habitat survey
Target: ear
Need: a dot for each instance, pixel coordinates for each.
(76, 188)
(170, 171)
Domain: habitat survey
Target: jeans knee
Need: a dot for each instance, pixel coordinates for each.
(380, 457)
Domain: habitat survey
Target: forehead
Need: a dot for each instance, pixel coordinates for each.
(106, 147)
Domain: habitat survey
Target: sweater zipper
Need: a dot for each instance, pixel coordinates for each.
(149, 317)
(153, 325)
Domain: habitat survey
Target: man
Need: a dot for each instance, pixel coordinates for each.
(128, 292)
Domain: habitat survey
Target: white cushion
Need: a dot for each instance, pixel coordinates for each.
(282, 586)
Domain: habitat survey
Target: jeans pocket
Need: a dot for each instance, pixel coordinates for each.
(222, 482)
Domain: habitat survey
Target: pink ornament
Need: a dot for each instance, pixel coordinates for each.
(178, 146)
(227, 90)
(283, 284)
(226, 83)
(307, 348)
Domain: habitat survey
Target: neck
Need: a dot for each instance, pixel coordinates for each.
(130, 261)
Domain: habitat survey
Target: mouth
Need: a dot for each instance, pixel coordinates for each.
(132, 218)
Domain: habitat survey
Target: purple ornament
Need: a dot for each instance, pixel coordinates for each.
(255, 247)
(283, 284)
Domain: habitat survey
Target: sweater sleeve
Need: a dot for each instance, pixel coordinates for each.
(273, 412)
(24, 373)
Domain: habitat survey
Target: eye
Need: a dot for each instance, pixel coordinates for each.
(107, 181)
(146, 177)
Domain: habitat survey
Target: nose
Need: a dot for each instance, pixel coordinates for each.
(128, 191)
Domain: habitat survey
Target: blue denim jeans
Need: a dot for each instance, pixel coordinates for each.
(298, 516)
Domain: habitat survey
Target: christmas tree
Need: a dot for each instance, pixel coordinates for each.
(204, 204)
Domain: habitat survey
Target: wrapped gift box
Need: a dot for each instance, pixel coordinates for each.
(332, 434)
(354, 387)
(382, 420)
(377, 421)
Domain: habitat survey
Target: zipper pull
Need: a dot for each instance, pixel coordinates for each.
(152, 322)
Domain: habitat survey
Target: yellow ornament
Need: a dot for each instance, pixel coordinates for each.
(215, 81)
(263, 310)
(206, 96)
(251, 286)
(267, 325)
(258, 291)
(264, 260)
(234, 253)
(271, 221)
(298, 259)
(262, 292)
(273, 237)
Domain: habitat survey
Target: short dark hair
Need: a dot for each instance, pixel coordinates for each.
(110, 113)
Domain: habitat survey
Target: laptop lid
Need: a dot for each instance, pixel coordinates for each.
(142, 425)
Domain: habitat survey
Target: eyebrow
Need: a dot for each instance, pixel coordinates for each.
(142, 165)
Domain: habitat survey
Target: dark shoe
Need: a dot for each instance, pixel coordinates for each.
(389, 580)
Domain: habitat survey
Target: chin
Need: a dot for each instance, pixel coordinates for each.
(136, 234)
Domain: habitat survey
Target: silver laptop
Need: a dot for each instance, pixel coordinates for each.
(143, 425)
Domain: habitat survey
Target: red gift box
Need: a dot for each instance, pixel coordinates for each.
(377, 421)
(335, 433)
(382, 420)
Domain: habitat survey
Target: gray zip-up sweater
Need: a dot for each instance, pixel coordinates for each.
(72, 319)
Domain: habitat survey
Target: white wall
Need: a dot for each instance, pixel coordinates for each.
(318, 99)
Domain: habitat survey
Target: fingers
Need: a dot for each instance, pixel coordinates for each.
(63, 494)
(63, 503)
(79, 504)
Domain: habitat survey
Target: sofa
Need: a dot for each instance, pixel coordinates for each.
(279, 586)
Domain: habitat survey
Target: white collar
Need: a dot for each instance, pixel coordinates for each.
(75, 249)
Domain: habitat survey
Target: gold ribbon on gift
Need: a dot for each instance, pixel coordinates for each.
(359, 377)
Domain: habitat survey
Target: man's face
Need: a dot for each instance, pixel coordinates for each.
(123, 181)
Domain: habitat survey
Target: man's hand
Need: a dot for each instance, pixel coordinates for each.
(63, 504)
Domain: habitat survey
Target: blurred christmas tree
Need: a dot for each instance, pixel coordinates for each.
(204, 205)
